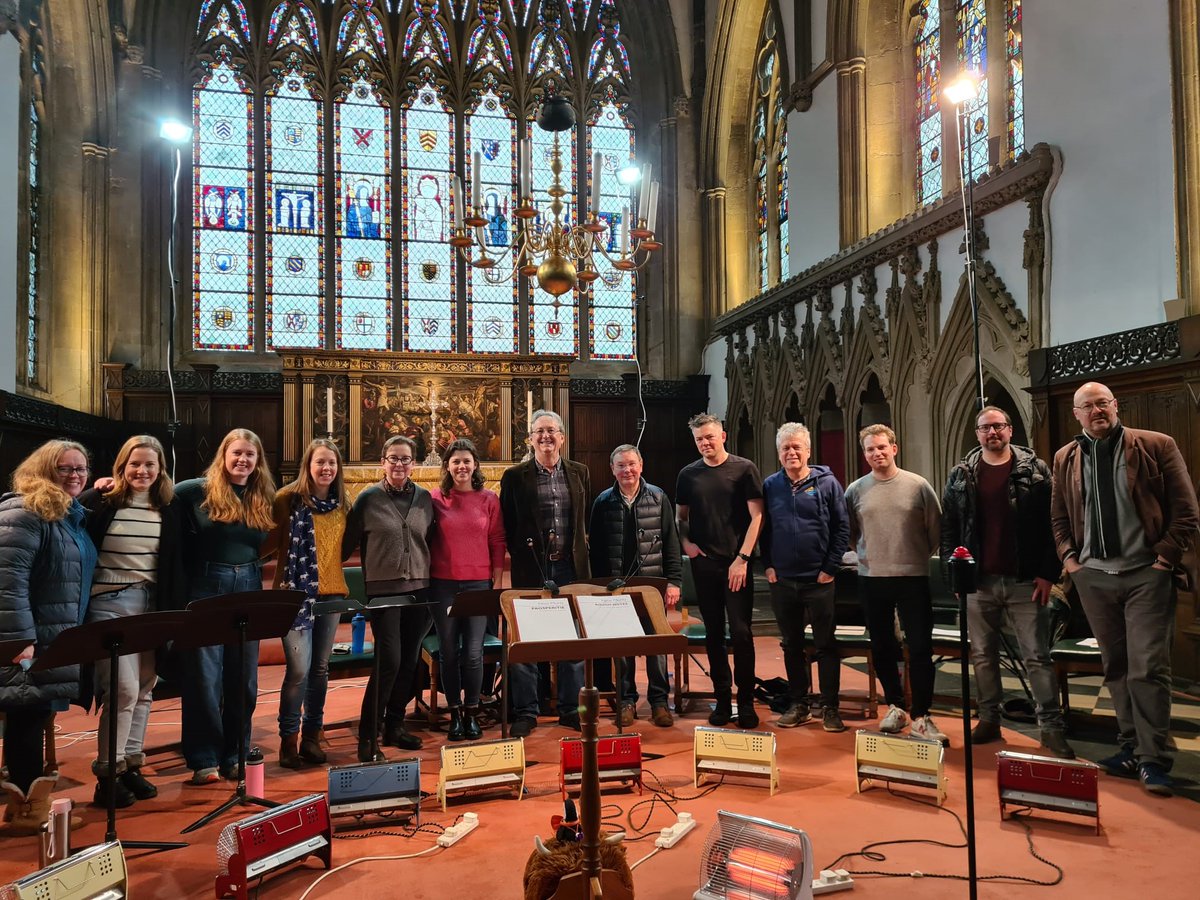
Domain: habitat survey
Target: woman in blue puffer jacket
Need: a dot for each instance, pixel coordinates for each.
(46, 565)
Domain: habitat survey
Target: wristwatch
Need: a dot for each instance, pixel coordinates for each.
(743, 557)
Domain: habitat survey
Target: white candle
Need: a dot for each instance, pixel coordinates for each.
(644, 193)
(597, 174)
(476, 177)
(652, 216)
(523, 168)
(459, 202)
(625, 232)
(329, 410)
(529, 410)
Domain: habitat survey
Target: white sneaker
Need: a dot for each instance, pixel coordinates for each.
(895, 719)
(924, 727)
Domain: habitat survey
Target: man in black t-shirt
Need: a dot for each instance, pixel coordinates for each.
(997, 505)
(719, 507)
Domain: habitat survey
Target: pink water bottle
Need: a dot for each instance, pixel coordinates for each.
(255, 771)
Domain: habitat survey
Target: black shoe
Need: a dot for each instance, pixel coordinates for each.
(747, 717)
(1056, 744)
(570, 721)
(368, 753)
(125, 797)
(985, 731)
(471, 729)
(396, 735)
(137, 784)
(456, 732)
(831, 721)
(721, 713)
(522, 726)
(228, 771)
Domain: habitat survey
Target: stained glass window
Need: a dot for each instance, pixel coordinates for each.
(363, 144)
(295, 289)
(427, 269)
(223, 210)
(929, 110)
(781, 180)
(553, 321)
(1016, 80)
(971, 18)
(34, 200)
(769, 148)
(613, 296)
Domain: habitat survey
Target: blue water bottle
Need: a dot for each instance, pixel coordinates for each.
(358, 633)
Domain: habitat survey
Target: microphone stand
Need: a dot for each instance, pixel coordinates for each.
(613, 586)
(962, 583)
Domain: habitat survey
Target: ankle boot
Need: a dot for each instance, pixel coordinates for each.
(289, 751)
(310, 747)
(456, 732)
(29, 811)
(124, 796)
(471, 729)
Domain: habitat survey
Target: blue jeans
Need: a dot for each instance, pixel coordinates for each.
(307, 677)
(210, 679)
(449, 630)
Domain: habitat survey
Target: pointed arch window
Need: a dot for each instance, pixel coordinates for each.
(995, 118)
(327, 136)
(34, 88)
(769, 149)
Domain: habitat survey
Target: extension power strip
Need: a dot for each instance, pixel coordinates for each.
(458, 831)
(832, 880)
(673, 834)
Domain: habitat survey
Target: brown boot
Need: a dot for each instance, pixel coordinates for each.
(289, 751)
(310, 748)
(29, 811)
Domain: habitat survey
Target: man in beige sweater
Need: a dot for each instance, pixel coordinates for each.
(895, 526)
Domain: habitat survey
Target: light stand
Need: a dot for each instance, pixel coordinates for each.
(961, 92)
(176, 133)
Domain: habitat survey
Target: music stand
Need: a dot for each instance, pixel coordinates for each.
(112, 639)
(234, 619)
(487, 603)
(386, 601)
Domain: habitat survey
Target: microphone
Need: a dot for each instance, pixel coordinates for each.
(547, 584)
(617, 583)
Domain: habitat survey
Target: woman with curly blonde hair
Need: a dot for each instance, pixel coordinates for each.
(229, 512)
(137, 526)
(46, 565)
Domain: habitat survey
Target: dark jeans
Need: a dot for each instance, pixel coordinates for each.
(910, 596)
(523, 677)
(450, 630)
(718, 603)
(796, 603)
(657, 686)
(210, 685)
(398, 632)
(24, 744)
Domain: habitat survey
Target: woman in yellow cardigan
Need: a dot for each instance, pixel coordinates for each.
(310, 519)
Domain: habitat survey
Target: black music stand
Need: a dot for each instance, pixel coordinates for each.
(387, 601)
(235, 619)
(112, 639)
(487, 603)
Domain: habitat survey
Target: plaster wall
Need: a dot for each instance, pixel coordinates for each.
(813, 178)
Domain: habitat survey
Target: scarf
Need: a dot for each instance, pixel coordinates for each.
(300, 568)
(1102, 493)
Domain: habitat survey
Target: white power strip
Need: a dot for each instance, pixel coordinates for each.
(672, 835)
(832, 880)
(458, 831)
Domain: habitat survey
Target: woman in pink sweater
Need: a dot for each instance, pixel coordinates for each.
(466, 554)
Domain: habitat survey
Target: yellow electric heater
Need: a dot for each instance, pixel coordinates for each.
(899, 759)
(722, 751)
(482, 766)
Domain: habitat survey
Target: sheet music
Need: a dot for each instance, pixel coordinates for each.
(609, 617)
(548, 619)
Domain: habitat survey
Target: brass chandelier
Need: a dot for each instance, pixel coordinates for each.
(559, 255)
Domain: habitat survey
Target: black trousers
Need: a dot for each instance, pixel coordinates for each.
(719, 604)
(398, 632)
(797, 603)
(24, 744)
(909, 595)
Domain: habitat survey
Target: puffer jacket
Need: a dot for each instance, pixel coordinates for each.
(41, 581)
(661, 558)
(1029, 495)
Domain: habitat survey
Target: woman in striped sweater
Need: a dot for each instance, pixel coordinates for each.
(137, 524)
(310, 520)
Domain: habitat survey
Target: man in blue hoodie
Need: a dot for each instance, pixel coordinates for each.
(804, 535)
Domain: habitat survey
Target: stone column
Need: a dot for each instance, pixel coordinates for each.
(665, 324)
(93, 258)
(1185, 88)
(852, 147)
(715, 288)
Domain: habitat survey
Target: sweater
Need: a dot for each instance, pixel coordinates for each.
(231, 544)
(394, 548)
(895, 524)
(328, 529)
(170, 579)
(468, 542)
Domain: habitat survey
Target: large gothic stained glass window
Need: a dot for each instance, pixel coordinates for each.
(929, 109)
(769, 147)
(328, 135)
(971, 18)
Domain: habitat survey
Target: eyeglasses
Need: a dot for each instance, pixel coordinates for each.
(1098, 404)
(398, 460)
(992, 426)
(68, 471)
(538, 432)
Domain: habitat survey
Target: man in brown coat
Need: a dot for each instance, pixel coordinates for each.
(1124, 512)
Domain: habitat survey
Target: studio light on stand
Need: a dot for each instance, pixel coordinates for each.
(175, 133)
(548, 248)
(962, 93)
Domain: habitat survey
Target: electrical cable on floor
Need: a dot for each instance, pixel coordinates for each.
(363, 859)
(633, 866)
(406, 831)
(869, 852)
(664, 795)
